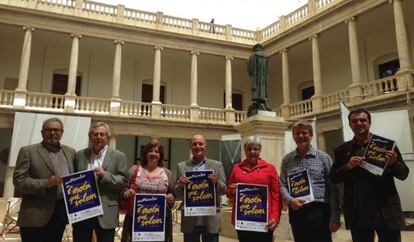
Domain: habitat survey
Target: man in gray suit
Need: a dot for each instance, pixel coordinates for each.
(110, 168)
(207, 227)
(37, 177)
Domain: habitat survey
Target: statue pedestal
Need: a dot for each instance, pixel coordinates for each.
(271, 132)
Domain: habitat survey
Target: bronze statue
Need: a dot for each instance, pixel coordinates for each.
(258, 69)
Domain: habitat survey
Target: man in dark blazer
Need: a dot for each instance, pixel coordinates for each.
(208, 227)
(110, 168)
(371, 202)
(37, 178)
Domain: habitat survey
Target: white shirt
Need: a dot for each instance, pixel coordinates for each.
(96, 160)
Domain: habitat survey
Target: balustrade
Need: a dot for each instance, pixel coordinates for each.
(45, 101)
(244, 34)
(381, 86)
(177, 22)
(332, 100)
(301, 108)
(135, 109)
(141, 16)
(92, 105)
(64, 3)
(240, 116)
(297, 15)
(175, 112)
(101, 8)
(211, 28)
(323, 3)
(213, 115)
(6, 98)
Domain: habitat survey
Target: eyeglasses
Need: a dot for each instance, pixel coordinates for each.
(52, 130)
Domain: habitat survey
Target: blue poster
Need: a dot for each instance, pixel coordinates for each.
(299, 185)
(199, 194)
(251, 207)
(375, 160)
(81, 196)
(149, 217)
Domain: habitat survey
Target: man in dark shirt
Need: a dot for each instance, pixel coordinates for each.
(371, 202)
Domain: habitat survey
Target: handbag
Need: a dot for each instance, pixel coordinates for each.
(126, 205)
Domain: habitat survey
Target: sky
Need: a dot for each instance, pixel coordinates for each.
(245, 14)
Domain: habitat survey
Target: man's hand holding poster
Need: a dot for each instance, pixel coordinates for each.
(149, 217)
(251, 207)
(81, 196)
(374, 156)
(299, 184)
(199, 194)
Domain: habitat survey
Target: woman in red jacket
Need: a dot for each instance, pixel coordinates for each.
(255, 170)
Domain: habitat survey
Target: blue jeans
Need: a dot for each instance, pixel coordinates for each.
(198, 231)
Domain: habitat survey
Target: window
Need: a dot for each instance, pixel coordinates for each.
(307, 92)
(236, 101)
(60, 84)
(146, 93)
(388, 68)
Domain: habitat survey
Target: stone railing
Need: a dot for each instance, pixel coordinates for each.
(121, 15)
(92, 105)
(135, 109)
(213, 115)
(378, 87)
(6, 98)
(240, 116)
(301, 108)
(45, 101)
(332, 100)
(175, 112)
(117, 108)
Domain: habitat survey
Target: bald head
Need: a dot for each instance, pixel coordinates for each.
(198, 146)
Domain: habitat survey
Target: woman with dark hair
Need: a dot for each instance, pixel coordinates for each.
(149, 177)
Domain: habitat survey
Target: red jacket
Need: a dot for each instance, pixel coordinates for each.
(262, 173)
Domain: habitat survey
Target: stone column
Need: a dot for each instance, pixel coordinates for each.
(112, 141)
(70, 101)
(157, 75)
(20, 96)
(228, 83)
(320, 138)
(230, 116)
(194, 78)
(116, 79)
(405, 75)
(317, 80)
(285, 83)
(355, 88)
(25, 59)
(73, 65)
(156, 104)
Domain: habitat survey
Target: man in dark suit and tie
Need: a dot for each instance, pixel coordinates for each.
(110, 168)
(38, 177)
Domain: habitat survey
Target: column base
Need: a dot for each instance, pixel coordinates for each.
(115, 107)
(195, 113)
(355, 92)
(271, 132)
(285, 110)
(317, 103)
(70, 103)
(156, 110)
(230, 116)
(19, 100)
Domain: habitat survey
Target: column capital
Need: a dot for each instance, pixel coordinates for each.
(26, 28)
(392, 1)
(119, 42)
(158, 47)
(194, 52)
(351, 19)
(76, 35)
(286, 50)
(228, 57)
(314, 36)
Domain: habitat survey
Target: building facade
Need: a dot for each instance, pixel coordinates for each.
(150, 74)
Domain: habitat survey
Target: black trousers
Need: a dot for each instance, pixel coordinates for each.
(360, 234)
(249, 236)
(198, 231)
(311, 223)
(82, 231)
(52, 231)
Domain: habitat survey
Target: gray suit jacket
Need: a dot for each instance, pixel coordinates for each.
(212, 223)
(110, 185)
(30, 178)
